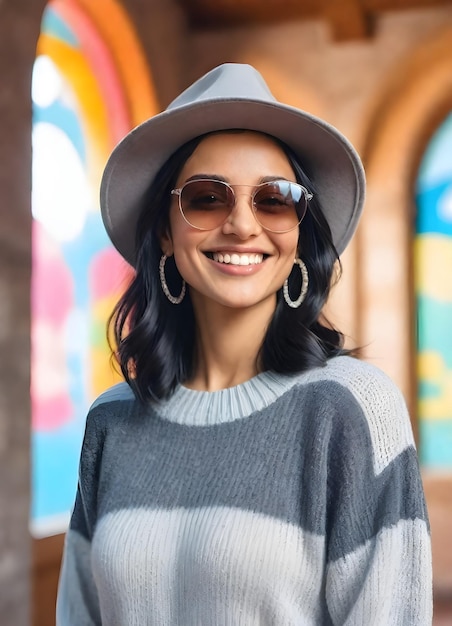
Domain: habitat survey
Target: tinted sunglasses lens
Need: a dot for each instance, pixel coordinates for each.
(206, 204)
(280, 206)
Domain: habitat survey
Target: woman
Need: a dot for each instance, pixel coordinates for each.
(250, 471)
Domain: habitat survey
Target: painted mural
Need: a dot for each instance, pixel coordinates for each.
(433, 276)
(90, 86)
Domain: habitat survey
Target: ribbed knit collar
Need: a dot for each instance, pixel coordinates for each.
(205, 408)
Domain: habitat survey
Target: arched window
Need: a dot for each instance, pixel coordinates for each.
(433, 282)
(90, 86)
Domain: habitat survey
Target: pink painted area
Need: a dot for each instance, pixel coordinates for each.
(52, 288)
(51, 413)
(52, 301)
(99, 57)
(108, 274)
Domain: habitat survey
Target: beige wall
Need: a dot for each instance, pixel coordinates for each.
(386, 93)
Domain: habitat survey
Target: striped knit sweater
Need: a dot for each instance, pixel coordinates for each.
(287, 500)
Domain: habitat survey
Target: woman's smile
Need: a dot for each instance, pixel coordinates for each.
(236, 258)
(236, 263)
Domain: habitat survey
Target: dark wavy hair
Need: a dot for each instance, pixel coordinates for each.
(154, 340)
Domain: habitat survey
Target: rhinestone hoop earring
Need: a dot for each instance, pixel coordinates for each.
(294, 304)
(173, 299)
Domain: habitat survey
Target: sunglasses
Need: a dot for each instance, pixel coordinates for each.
(278, 205)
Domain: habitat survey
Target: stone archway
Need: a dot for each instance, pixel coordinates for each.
(413, 102)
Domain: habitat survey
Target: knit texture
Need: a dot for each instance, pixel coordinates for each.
(287, 500)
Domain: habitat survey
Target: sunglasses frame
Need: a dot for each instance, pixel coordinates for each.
(178, 192)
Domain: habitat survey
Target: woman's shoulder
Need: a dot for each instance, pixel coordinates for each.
(360, 377)
(121, 392)
(369, 384)
(375, 396)
(108, 410)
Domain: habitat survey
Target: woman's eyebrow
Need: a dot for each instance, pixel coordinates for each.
(208, 177)
(270, 179)
(264, 179)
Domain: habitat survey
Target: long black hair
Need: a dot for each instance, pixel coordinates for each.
(154, 340)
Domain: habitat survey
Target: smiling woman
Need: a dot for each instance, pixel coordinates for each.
(247, 453)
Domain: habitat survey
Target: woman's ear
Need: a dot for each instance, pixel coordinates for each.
(166, 243)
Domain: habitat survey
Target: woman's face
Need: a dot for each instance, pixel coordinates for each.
(242, 158)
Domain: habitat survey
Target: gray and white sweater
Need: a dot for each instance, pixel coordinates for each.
(287, 500)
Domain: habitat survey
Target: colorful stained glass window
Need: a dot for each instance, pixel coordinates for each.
(433, 281)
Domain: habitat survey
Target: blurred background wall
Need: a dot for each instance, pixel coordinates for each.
(380, 70)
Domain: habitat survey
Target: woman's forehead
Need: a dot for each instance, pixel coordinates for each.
(238, 154)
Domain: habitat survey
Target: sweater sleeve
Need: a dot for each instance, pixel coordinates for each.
(378, 569)
(77, 600)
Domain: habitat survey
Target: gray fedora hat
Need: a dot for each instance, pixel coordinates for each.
(231, 96)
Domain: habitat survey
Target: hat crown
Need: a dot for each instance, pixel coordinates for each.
(228, 81)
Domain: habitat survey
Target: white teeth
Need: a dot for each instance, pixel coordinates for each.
(238, 259)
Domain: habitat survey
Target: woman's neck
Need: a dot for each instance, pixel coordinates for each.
(228, 344)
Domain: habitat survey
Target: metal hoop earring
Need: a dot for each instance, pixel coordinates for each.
(294, 304)
(173, 299)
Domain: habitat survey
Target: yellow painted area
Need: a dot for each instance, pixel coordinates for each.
(101, 311)
(116, 29)
(78, 73)
(433, 266)
(432, 370)
(431, 366)
(103, 373)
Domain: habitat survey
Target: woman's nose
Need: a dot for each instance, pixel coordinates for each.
(241, 220)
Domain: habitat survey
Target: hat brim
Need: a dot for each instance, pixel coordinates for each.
(328, 157)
